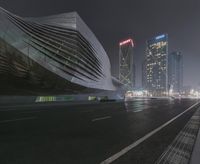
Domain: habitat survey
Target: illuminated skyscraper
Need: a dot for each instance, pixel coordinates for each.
(126, 64)
(144, 75)
(175, 71)
(156, 65)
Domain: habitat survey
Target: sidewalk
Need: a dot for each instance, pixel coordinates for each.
(186, 145)
(195, 159)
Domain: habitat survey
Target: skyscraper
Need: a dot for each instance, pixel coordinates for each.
(144, 75)
(175, 71)
(156, 65)
(126, 65)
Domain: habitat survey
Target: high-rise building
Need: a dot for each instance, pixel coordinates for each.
(175, 71)
(126, 64)
(156, 65)
(144, 75)
(134, 75)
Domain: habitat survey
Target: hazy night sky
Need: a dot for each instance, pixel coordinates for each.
(114, 20)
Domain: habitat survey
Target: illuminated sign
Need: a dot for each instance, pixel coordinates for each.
(160, 37)
(127, 42)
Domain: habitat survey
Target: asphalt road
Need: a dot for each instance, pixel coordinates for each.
(89, 134)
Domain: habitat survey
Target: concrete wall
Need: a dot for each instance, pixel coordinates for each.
(17, 99)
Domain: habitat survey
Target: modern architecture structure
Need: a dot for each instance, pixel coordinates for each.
(175, 71)
(134, 75)
(144, 75)
(126, 64)
(156, 65)
(50, 54)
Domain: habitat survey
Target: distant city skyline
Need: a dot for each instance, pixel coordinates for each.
(113, 20)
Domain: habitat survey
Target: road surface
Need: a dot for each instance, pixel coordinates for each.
(57, 133)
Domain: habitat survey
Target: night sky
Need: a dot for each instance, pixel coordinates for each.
(115, 20)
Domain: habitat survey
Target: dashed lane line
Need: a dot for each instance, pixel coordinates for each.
(20, 119)
(101, 118)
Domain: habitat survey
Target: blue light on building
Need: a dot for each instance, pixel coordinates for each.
(160, 37)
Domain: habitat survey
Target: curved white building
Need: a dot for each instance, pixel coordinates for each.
(56, 52)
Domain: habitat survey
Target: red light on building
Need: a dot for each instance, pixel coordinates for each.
(127, 42)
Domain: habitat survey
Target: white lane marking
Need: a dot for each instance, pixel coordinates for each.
(87, 111)
(9, 108)
(5, 108)
(137, 111)
(101, 118)
(20, 119)
(35, 111)
(134, 144)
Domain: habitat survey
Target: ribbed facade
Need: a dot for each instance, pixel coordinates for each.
(56, 51)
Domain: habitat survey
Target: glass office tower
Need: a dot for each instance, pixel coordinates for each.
(175, 71)
(126, 65)
(156, 65)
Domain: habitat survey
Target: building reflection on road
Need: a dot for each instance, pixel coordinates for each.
(137, 106)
